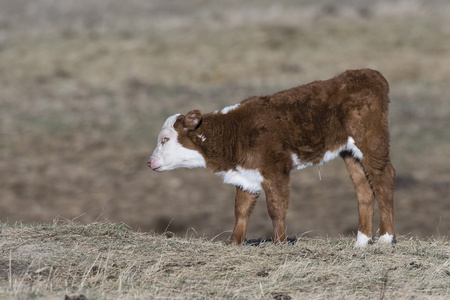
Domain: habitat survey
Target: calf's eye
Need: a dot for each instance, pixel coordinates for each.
(164, 140)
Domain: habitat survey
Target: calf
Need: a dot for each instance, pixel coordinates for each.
(255, 145)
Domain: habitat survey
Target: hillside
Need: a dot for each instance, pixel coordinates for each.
(86, 86)
(110, 261)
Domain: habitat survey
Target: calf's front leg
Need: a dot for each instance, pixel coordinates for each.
(277, 198)
(243, 207)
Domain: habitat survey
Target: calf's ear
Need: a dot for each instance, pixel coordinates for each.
(192, 119)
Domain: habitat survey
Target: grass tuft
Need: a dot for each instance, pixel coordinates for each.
(105, 260)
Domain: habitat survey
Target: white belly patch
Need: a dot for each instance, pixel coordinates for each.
(329, 155)
(350, 147)
(297, 164)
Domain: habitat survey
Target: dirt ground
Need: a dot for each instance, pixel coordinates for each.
(85, 87)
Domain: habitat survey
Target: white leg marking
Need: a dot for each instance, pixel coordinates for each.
(386, 239)
(362, 240)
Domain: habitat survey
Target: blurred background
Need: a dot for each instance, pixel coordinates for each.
(85, 87)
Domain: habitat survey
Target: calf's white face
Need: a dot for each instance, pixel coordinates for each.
(170, 154)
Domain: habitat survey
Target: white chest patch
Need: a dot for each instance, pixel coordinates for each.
(249, 180)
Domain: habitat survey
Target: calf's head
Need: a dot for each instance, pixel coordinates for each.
(175, 149)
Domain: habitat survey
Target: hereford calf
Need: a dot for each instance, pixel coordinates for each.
(255, 145)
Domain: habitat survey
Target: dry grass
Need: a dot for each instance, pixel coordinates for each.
(86, 85)
(106, 261)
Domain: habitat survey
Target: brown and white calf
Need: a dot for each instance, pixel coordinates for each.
(255, 145)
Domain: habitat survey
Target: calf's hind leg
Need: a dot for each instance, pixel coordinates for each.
(382, 181)
(243, 207)
(366, 200)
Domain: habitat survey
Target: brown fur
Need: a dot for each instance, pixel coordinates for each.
(307, 120)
